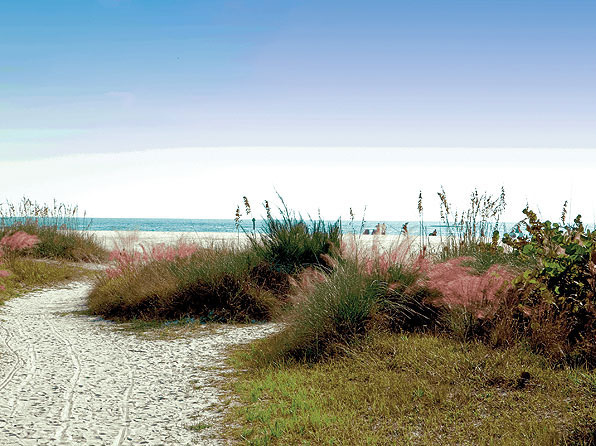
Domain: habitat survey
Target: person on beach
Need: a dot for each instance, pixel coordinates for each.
(383, 229)
(366, 232)
(433, 234)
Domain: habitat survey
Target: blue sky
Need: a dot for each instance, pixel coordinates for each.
(82, 78)
(107, 75)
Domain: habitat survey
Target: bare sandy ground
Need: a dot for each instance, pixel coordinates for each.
(69, 379)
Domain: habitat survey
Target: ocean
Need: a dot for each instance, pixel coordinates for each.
(224, 225)
(229, 225)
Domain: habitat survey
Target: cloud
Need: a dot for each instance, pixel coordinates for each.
(210, 182)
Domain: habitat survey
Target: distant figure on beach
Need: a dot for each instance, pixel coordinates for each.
(366, 232)
(404, 228)
(377, 229)
(383, 229)
(433, 234)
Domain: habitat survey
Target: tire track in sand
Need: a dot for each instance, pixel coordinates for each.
(18, 360)
(66, 413)
(125, 404)
(31, 365)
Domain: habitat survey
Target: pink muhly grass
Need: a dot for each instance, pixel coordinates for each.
(19, 241)
(459, 287)
(305, 283)
(374, 260)
(127, 260)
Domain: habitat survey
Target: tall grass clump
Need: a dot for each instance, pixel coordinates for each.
(289, 244)
(365, 290)
(475, 225)
(184, 280)
(332, 313)
(57, 226)
(474, 232)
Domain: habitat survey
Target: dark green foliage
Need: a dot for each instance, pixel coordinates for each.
(566, 260)
(554, 303)
(289, 244)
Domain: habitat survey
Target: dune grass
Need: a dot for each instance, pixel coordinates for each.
(416, 389)
(213, 283)
(60, 244)
(221, 283)
(28, 274)
(57, 226)
(36, 243)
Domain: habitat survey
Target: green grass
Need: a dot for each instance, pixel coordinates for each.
(28, 274)
(413, 389)
(199, 426)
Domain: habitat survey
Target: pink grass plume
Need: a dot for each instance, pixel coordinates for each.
(19, 241)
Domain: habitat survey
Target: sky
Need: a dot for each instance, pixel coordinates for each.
(177, 109)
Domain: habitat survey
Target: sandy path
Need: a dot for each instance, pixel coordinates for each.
(75, 380)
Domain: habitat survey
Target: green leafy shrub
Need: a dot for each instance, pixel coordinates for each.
(554, 303)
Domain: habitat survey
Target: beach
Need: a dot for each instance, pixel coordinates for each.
(135, 239)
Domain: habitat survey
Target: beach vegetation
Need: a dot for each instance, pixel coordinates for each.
(57, 227)
(288, 243)
(406, 346)
(190, 281)
(552, 306)
(25, 259)
(417, 389)
(238, 283)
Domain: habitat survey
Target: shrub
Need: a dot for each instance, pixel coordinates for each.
(553, 305)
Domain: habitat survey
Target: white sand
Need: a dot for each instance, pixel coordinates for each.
(67, 379)
(133, 239)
